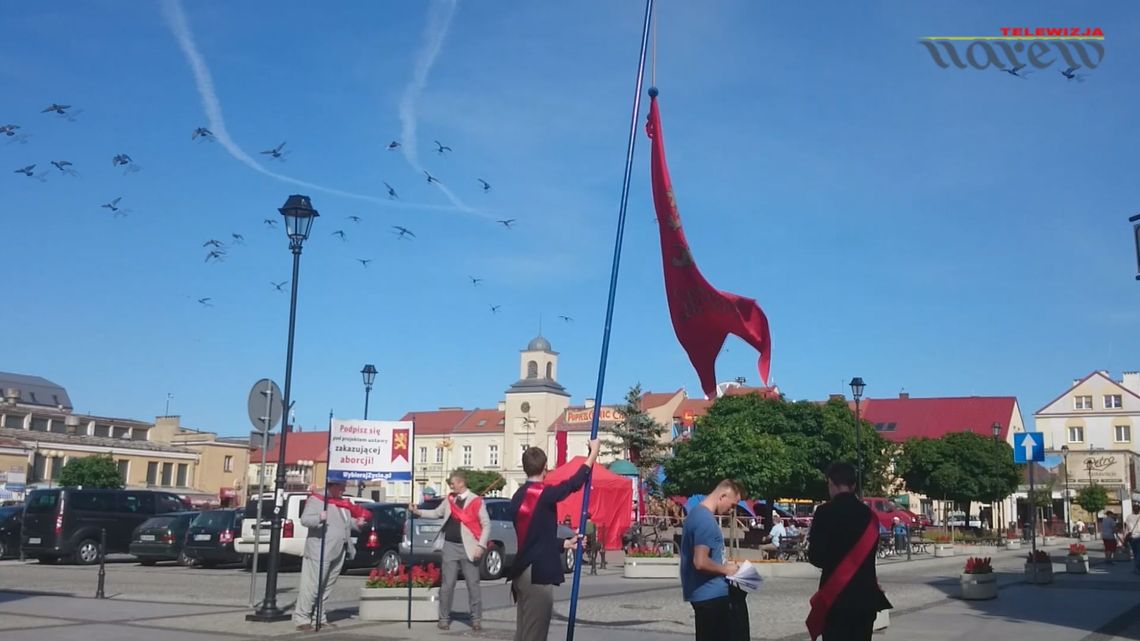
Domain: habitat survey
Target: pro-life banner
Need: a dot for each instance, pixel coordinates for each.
(370, 450)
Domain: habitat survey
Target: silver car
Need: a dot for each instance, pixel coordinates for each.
(501, 550)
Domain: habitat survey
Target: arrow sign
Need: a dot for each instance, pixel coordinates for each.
(1028, 447)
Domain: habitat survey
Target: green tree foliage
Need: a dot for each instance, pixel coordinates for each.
(91, 472)
(1092, 498)
(959, 467)
(483, 481)
(638, 437)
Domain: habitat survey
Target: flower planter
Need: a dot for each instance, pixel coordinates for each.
(391, 604)
(1077, 564)
(1039, 573)
(943, 550)
(1013, 544)
(979, 587)
(652, 567)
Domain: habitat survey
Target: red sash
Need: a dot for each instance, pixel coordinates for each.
(526, 511)
(825, 597)
(468, 515)
(355, 510)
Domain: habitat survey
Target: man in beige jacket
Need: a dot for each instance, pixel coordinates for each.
(462, 541)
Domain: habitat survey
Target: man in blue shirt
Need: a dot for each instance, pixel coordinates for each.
(720, 609)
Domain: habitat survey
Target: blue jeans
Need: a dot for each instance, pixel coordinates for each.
(1135, 543)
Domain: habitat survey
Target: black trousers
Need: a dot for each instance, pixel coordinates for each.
(849, 626)
(723, 619)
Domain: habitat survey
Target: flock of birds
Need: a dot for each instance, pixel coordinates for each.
(1069, 73)
(217, 250)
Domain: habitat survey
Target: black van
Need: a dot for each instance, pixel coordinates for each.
(66, 522)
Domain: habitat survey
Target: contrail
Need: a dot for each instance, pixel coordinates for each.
(439, 20)
(176, 20)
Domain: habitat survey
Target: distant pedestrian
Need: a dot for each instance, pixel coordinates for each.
(720, 608)
(462, 541)
(1108, 535)
(335, 526)
(538, 566)
(1132, 536)
(842, 542)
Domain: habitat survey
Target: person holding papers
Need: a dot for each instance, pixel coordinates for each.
(720, 608)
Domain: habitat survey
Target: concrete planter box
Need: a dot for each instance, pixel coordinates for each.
(652, 568)
(1049, 540)
(1013, 544)
(1039, 573)
(391, 604)
(882, 620)
(1077, 564)
(979, 587)
(943, 550)
(1086, 537)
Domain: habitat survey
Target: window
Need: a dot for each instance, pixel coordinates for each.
(423, 455)
(39, 467)
(137, 502)
(58, 426)
(1077, 434)
(121, 432)
(493, 455)
(182, 468)
(532, 370)
(14, 421)
(1123, 433)
(1082, 402)
(168, 503)
(139, 435)
(167, 474)
(466, 456)
(228, 464)
(124, 470)
(92, 501)
(39, 424)
(57, 463)
(102, 430)
(1113, 401)
(550, 371)
(152, 473)
(439, 455)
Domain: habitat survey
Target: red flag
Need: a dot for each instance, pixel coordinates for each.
(703, 316)
(560, 444)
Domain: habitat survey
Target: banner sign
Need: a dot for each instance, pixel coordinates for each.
(608, 415)
(370, 450)
(1102, 468)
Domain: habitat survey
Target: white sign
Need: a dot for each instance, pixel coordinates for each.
(15, 481)
(370, 450)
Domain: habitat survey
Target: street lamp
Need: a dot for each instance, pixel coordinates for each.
(857, 386)
(369, 375)
(299, 215)
(996, 429)
(1068, 518)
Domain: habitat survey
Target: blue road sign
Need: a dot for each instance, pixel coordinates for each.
(1028, 447)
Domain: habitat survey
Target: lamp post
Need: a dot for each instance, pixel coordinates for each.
(995, 429)
(1065, 462)
(369, 376)
(857, 386)
(299, 216)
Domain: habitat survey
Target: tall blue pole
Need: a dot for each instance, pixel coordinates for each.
(610, 307)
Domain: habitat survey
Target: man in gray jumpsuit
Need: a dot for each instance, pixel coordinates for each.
(338, 545)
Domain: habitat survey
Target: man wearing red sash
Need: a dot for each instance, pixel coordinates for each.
(842, 541)
(462, 540)
(538, 566)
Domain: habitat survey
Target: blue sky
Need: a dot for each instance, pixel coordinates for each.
(950, 232)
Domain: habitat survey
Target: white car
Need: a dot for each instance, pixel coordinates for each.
(959, 519)
(293, 534)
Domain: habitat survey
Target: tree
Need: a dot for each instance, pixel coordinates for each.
(727, 449)
(638, 437)
(1092, 498)
(483, 481)
(960, 467)
(91, 472)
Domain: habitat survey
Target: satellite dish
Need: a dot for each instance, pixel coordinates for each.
(265, 405)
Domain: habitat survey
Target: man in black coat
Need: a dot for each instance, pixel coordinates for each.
(836, 529)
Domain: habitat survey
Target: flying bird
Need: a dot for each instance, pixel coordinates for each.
(355, 219)
(566, 318)
(506, 223)
(238, 238)
(431, 178)
(495, 309)
(279, 286)
(1015, 71)
(9, 130)
(364, 261)
(403, 231)
(27, 171)
(474, 281)
(270, 222)
(217, 244)
(340, 234)
(114, 205)
(486, 185)
(392, 192)
(205, 302)
(61, 165)
(121, 159)
(441, 148)
(1071, 74)
(393, 146)
(202, 132)
(275, 152)
(217, 255)
(57, 108)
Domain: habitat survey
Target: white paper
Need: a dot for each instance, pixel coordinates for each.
(747, 578)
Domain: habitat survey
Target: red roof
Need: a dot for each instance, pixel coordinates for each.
(698, 406)
(650, 400)
(936, 417)
(437, 422)
(481, 422)
(299, 446)
(766, 392)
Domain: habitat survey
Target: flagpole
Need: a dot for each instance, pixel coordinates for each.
(411, 515)
(610, 308)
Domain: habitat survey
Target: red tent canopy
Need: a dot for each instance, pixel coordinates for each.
(611, 501)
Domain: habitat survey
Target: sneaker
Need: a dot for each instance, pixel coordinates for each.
(443, 625)
(476, 626)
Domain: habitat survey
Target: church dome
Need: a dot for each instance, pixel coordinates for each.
(538, 344)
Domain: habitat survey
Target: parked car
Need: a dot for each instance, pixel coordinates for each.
(293, 534)
(161, 538)
(66, 523)
(886, 511)
(10, 522)
(378, 542)
(961, 520)
(210, 539)
(502, 546)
